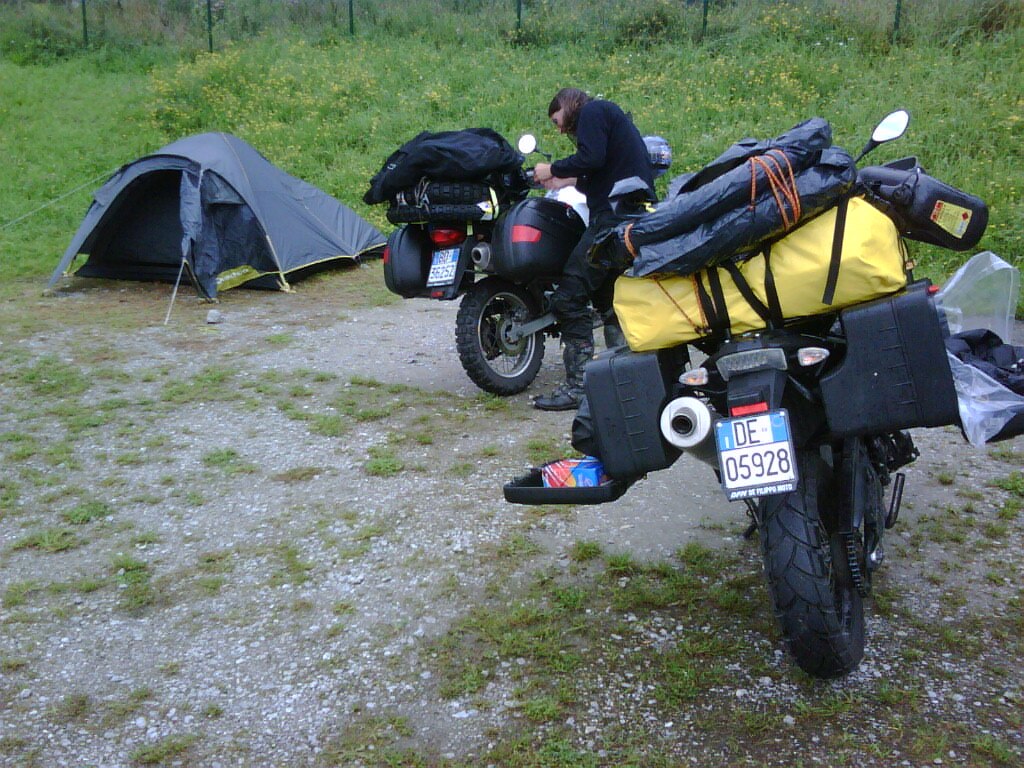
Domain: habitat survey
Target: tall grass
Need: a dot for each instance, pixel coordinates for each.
(330, 109)
(39, 32)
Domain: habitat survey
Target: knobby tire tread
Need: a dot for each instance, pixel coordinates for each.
(824, 636)
(472, 356)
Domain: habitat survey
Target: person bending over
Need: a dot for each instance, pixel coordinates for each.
(609, 148)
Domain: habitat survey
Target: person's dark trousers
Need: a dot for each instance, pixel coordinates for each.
(581, 283)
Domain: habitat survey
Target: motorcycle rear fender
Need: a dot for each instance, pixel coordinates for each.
(463, 275)
(755, 387)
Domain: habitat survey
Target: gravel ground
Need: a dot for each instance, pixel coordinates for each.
(245, 542)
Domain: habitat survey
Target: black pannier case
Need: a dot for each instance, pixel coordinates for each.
(407, 261)
(535, 238)
(625, 394)
(895, 374)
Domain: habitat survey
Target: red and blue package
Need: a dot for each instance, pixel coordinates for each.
(587, 472)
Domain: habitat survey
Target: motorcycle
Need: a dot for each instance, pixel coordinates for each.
(502, 252)
(804, 421)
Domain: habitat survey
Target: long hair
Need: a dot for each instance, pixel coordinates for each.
(571, 100)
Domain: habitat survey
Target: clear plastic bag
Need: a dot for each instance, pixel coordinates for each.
(986, 406)
(982, 294)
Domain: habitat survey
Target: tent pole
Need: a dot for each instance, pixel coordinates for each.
(174, 293)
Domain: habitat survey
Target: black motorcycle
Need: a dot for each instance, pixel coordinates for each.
(803, 420)
(502, 252)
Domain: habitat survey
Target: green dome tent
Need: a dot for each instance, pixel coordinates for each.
(215, 206)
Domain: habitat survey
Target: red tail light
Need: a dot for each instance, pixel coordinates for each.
(444, 237)
(523, 233)
(387, 253)
(746, 410)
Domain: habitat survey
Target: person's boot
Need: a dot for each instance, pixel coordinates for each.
(613, 335)
(567, 396)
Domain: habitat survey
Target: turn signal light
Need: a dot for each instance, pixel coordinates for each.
(811, 355)
(697, 377)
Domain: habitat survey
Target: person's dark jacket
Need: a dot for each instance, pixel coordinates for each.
(609, 148)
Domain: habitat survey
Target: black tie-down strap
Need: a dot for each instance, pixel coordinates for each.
(713, 303)
(829, 294)
(712, 298)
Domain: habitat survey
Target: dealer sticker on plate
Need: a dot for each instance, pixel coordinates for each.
(755, 454)
(442, 268)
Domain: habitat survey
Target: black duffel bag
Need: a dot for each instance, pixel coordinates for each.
(754, 192)
(471, 154)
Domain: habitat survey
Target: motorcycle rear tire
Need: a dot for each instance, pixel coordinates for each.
(492, 360)
(817, 604)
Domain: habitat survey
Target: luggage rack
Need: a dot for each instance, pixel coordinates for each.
(529, 489)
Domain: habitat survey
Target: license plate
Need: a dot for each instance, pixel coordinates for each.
(442, 267)
(755, 455)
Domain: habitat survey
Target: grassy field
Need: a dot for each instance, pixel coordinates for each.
(330, 108)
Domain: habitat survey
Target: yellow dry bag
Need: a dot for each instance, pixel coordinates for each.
(847, 255)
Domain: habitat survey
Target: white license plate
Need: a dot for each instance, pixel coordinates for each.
(755, 455)
(442, 267)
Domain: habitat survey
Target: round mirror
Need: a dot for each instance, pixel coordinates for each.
(892, 127)
(527, 143)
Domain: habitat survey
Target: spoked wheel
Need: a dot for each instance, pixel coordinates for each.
(495, 360)
(816, 601)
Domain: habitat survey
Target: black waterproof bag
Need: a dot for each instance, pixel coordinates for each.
(924, 208)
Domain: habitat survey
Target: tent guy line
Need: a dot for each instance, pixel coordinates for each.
(55, 200)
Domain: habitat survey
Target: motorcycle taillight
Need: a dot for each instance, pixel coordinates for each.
(749, 409)
(446, 237)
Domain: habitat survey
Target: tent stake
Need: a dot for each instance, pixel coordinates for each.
(174, 293)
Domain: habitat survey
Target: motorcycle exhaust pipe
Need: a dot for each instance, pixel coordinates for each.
(481, 256)
(688, 424)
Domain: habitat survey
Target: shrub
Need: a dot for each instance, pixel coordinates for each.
(38, 34)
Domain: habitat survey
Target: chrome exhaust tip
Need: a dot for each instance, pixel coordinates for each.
(481, 256)
(688, 424)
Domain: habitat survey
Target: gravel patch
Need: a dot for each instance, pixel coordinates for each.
(297, 514)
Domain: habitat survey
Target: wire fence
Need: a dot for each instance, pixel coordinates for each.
(214, 23)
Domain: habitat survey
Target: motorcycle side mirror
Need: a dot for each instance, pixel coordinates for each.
(527, 143)
(891, 127)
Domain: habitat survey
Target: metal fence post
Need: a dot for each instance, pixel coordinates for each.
(519, 14)
(896, 22)
(351, 18)
(704, 20)
(85, 27)
(209, 22)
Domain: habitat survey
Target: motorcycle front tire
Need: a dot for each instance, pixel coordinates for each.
(491, 358)
(816, 603)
